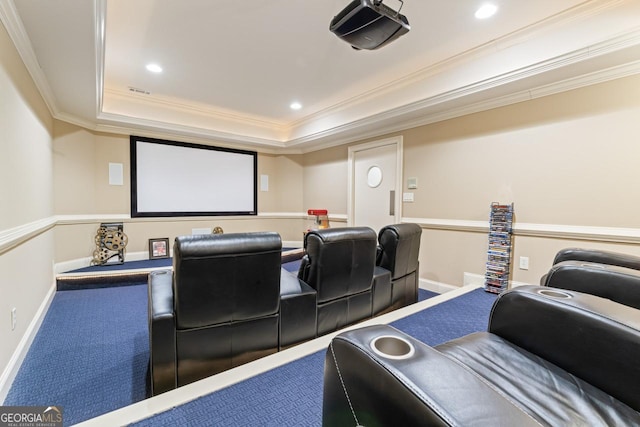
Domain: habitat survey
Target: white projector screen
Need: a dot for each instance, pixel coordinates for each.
(178, 179)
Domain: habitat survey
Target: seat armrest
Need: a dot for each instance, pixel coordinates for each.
(598, 257)
(379, 251)
(593, 338)
(382, 292)
(162, 332)
(298, 318)
(384, 390)
(618, 284)
(303, 270)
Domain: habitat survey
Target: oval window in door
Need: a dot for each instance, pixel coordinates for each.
(374, 176)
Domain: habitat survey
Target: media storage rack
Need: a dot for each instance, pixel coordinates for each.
(499, 255)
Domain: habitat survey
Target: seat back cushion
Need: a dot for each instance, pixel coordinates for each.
(593, 338)
(222, 278)
(399, 249)
(618, 284)
(340, 261)
(598, 256)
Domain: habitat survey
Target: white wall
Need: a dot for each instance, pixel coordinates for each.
(26, 200)
(568, 162)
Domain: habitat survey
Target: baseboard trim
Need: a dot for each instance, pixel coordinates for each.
(437, 287)
(12, 368)
(473, 279)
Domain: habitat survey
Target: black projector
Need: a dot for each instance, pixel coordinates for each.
(368, 24)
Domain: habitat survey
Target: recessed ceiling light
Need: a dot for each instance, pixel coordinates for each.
(486, 11)
(295, 106)
(154, 68)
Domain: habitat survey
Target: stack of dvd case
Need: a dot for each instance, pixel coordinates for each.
(496, 278)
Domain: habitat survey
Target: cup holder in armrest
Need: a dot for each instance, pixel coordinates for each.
(554, 293)
(392, 347)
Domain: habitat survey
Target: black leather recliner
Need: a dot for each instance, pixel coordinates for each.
(597, 256)
(398, 252)
(221, 307)
(550, 358)
(618, 284)
(609, 275)
(339, 264)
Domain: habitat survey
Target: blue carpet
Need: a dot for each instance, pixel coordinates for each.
(424, 294)
(89, 356)
(291, 395)
(450, 319)
(292, 266)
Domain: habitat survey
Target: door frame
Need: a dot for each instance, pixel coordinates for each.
(351, 202)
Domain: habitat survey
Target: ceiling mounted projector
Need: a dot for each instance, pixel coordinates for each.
(369, 24)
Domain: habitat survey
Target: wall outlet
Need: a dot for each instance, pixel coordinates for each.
(14, 318)
(524, 263)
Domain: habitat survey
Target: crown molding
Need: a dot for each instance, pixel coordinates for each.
(178, 106)
(430, 110)
(394, 120)
(18, 34)
(122, 124)
(404, 117)
(516, 85)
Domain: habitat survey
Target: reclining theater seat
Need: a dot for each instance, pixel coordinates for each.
(595, 256)
(339, 264)
(550, 358)
(398, 251)
(616, 283)
(218, 310)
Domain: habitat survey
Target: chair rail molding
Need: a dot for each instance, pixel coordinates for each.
(12, 237)
(15, 236)
(556, 231)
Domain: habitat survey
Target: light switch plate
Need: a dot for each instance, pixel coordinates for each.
(407, 197)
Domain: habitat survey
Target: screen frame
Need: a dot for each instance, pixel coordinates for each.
(133, 140)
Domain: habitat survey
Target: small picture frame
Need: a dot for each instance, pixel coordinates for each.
(159, 248)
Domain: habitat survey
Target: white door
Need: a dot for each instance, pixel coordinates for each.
(375, 175)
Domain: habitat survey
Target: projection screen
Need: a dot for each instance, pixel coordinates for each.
(171, 178)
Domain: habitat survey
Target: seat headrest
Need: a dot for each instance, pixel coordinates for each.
(208, 245)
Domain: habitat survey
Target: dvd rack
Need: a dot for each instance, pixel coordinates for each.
(498, 268)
